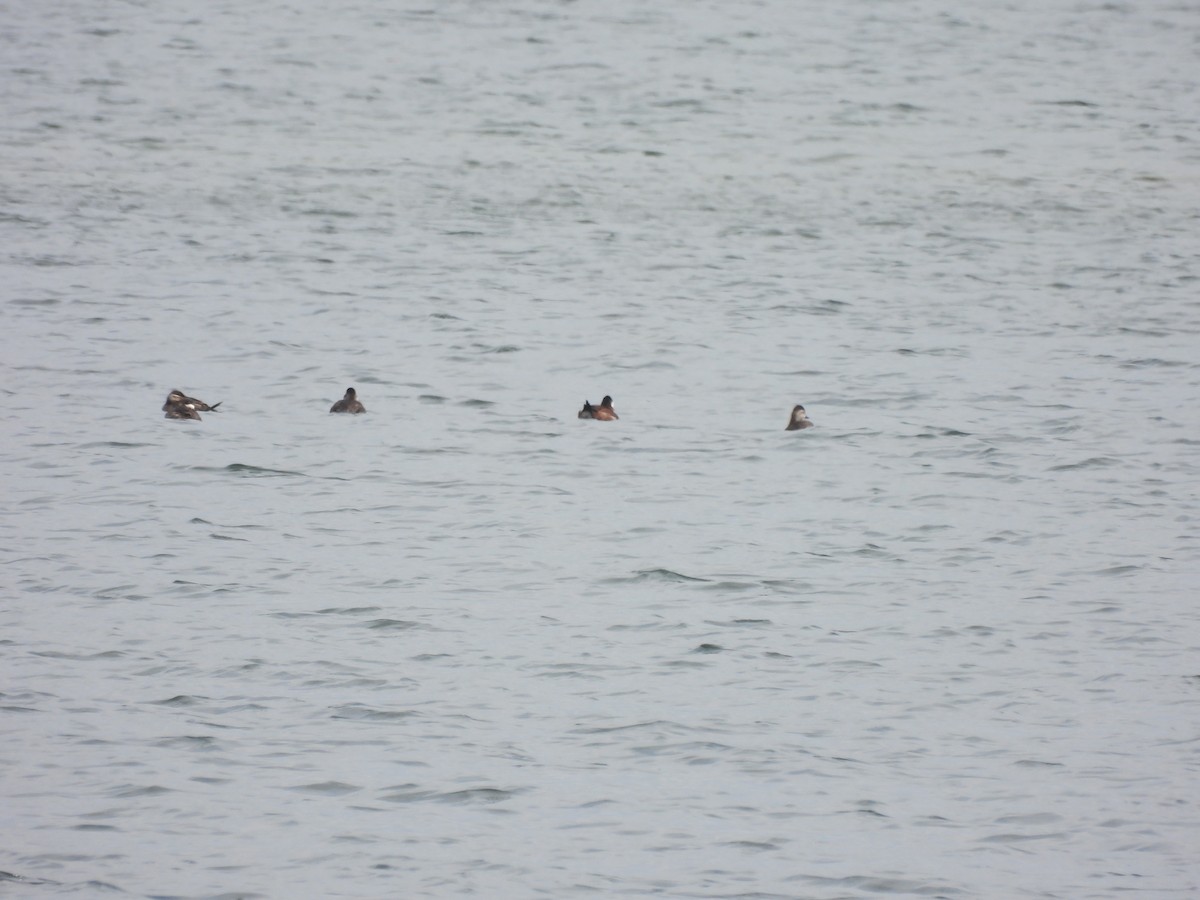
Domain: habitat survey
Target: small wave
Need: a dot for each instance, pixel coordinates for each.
(932, 432)
(346, 610)
(740, 623)
(753, 845)
(655, 364)
(724, 586)
(666, 575)
(327, 788)
(873, 884)
(392, 624)
(178, 700)
(1118, 570)
(654, 724)
(48, 262)
(78, 657)
(1154, 363)
(1022, 838)
(249, 470)
(471, 796)
(132, 790)
(1095, 462)
(21, 879)
(873, 551)
(189, 742)
(361, 713)
(326, 211)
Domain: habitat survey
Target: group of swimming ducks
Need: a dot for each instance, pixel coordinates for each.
(180, 406)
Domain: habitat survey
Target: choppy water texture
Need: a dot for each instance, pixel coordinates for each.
(943, 644)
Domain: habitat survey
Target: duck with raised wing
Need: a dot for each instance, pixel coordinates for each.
(180, 406)
(604, 412)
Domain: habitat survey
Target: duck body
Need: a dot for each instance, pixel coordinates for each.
(604, 412)
(180, 411)
(348, 404)
(799, 419)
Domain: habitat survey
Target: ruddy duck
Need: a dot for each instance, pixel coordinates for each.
(181, 406)
(604, 412)
(799, 419)
(348, 404)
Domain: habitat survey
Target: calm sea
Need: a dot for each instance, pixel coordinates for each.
(944, 644)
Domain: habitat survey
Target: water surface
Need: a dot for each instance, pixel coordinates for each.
(941, 645)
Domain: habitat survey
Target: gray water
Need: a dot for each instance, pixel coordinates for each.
(943, 644)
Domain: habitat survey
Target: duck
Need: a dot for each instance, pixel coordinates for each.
(799, 419)
(348, 404)
(180, 411)
(180, 406)
(604, 412)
